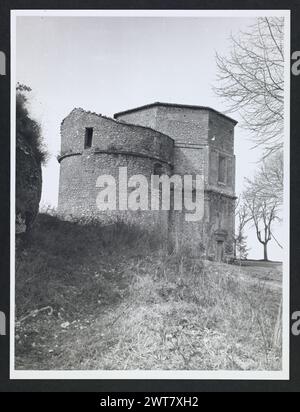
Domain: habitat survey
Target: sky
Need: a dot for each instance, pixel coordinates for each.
(110, 64)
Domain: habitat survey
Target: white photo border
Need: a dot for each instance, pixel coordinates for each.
(284, 374)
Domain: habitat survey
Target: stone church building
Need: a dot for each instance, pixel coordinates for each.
(158, 138)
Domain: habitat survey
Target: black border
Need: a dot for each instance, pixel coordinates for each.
(145, 385)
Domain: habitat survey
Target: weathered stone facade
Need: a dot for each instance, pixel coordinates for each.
(181, 140)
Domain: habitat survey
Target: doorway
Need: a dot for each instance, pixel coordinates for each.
(220, 250)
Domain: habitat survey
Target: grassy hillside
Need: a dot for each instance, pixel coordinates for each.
(89, 297)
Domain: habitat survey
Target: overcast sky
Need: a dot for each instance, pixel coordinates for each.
(109, 64)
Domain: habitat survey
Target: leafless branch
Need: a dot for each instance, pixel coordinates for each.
(251, 81)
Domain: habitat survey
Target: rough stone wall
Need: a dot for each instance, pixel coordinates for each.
(221, 143)
(228, 185)
(145, 118)
(185, 141)
(188, 127)
(220, 194)
(113, 136)
(114, 145)
(183, 125)
(221, 133)
(219, 226)
(201, 136)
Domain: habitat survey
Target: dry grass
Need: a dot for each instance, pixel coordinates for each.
(120, 301)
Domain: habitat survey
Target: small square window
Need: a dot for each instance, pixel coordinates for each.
(88, 140)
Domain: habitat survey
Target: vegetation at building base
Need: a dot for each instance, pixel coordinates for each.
(92, 297)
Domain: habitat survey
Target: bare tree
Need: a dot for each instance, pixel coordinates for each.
(240, 240)
(263, 212)
(251, 80)
(270, 176)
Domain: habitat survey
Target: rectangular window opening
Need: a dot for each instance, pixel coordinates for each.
(88, 137)
(222, 169)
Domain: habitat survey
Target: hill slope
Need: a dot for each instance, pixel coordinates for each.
(89, 297)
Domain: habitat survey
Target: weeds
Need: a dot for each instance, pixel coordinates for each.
(126, 303)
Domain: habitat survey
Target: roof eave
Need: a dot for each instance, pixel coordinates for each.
(155, 104)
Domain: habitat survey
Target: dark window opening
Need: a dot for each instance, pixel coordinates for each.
(222, 169)
(158, 169)
(229, 172)
(220, 251)
(88, 137)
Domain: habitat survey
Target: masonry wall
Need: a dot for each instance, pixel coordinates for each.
(114, 146)
(183, 125)
(113, 136)
(185, 141)
(147, 117)
(201, 136)
(220, 226)
(221, 143)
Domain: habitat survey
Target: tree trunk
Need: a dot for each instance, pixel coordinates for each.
(265, 251)
(234, 250)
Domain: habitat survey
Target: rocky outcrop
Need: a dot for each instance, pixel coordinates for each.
(28, 185)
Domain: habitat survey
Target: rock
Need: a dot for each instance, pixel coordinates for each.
(28, 185)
